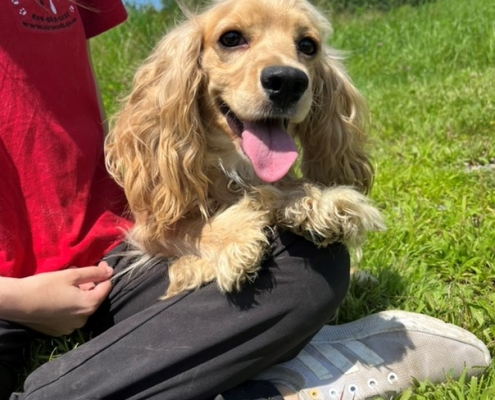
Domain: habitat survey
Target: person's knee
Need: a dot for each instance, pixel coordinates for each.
(315, 279)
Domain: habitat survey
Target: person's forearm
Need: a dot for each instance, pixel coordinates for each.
(11, 302)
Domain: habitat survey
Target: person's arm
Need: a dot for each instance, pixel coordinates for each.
(55, 303)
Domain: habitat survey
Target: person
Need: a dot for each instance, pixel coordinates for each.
(61, 242)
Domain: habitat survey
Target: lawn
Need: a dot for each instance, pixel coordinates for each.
(428, 74)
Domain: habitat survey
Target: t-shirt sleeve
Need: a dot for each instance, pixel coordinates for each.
(99, 16)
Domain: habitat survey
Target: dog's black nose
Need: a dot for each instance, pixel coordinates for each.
(284, 85)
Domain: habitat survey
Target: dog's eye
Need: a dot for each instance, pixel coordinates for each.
(232, 39)
(307, 46)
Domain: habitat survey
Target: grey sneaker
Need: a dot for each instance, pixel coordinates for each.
(378, 356)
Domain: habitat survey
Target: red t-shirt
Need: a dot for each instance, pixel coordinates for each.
(58, 206)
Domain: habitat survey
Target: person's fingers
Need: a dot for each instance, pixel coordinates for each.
(90, 274)
(84, 286)
(87, 286)
(100, 292)
(103, 264)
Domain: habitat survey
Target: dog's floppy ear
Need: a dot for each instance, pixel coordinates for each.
(332, 136)
(156, 148)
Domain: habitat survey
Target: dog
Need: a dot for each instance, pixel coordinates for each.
(206, 143)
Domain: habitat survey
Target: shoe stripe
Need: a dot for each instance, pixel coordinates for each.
(314, 365)
(363, 352)
(336, 358)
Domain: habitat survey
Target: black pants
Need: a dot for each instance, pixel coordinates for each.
(197, 344)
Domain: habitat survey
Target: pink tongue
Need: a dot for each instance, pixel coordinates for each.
(270, 149)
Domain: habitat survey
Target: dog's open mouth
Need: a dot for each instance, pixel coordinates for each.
(266, 143)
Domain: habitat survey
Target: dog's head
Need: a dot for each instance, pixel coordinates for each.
(238, 84)
(259, 59)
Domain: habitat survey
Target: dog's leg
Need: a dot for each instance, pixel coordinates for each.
(188, 273)
(327, 215)
(229, 250)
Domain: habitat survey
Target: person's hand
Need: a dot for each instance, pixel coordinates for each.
(57, 303)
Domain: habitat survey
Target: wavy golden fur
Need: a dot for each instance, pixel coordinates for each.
(204, 144)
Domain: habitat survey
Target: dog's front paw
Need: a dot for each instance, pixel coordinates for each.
(351, 213)
(329, 215)
(188, 273)
(234, 243)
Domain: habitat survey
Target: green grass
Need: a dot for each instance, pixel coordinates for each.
(428, 73)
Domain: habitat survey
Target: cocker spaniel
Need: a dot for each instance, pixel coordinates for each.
(205, 145)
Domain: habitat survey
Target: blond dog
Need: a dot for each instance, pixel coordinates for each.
(205, 144)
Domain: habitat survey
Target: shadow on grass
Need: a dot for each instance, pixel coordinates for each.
(368, 296)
